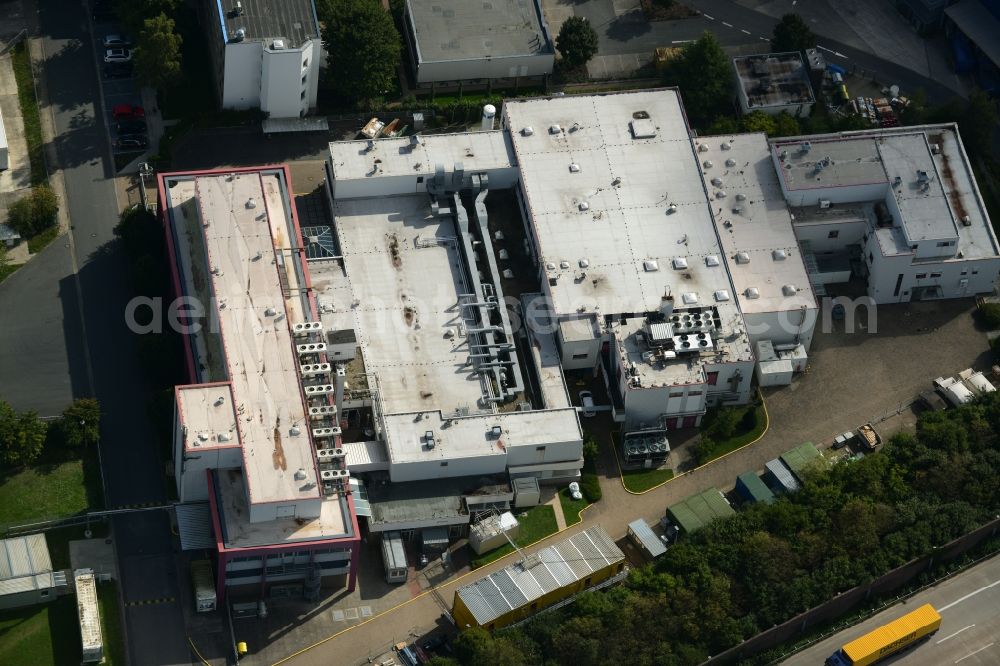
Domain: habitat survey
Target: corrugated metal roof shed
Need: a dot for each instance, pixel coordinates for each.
(556, 566)
(25, 564)
(367, 456)
(647, 539)
(782, 476)
(194, 524)
(752, 488)
(800, 458)
(698, 510)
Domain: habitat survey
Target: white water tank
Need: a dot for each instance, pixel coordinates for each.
(489, 113)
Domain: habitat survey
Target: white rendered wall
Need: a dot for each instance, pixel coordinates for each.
(727, 381)
(433, 469)
(783, 326)
(485, 68)
(589, 350)
(262, 513)
(818, 234)
(385, 186)
(289, 80)
(554, 452)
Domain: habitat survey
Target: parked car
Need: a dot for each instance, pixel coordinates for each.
(131, 143)
(933, 401)
(128, 112)
(131, 126)
(587, 404)
(116, 41)
(118, 55)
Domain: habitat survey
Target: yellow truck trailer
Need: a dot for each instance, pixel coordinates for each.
(888, 639)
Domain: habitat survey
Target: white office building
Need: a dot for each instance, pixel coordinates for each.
(899, 207)
(266, 54)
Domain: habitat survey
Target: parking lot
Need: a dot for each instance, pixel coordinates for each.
(119, 89)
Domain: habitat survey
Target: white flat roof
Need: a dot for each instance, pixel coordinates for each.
(241, 533)
(852, 161)
(551, 380)
(239, 267)
(406, 302)
(209, 415)
(473, 436)
(878, 156)
(476, 151)
(599, 256)
(762, 227)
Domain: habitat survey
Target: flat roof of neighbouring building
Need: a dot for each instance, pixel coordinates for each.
(456, 30)
(773, 79)
(230, 256)
(753, 221)
(294, 21)
(387, 158)
(209, 415)
(238, 532)
(877, 157)
(844, 161)
(614, 194)
(25, 564)
(556, 566)
(698, 510)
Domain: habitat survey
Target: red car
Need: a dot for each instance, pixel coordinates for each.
(128, 112)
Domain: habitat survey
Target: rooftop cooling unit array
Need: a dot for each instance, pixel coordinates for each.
(311, 348)
(307, 328)
(322, 412)
(332, 431)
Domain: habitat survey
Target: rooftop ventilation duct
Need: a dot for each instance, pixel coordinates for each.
(680, 263)
(742, 258)
(789, 290)
(690, 298)
(527, 131)
(721, 295)
(251, 204)
(650, 266)
(752, 293)
(711, 260)
(779, 255)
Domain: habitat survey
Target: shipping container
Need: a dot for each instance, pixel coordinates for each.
(394, 557)
(203, 583)
(888, 639)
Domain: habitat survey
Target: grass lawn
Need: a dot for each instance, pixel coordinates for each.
(537, 523)
(571, 507)
(41, 635)
(641, 480)
(37, 243)
(738, 440)
(50, 489)
(8, 270)
(29, 110)
(111, 624)
(49, 634)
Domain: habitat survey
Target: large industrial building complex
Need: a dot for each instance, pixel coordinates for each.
(405, 365)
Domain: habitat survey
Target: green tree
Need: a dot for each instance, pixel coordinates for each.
(785, 124)
(363, 48)
(34, 212)
(158, 55)
(791, 33)
(133, 13)
(576, 42)
(702, 72)
(80, 423)
(978, 123)
(22, 436)
(723, 125)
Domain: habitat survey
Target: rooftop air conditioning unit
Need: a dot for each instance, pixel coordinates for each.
(824, 203)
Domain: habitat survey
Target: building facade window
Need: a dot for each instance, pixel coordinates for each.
(579, 357)
(712, 378)
(833, 234)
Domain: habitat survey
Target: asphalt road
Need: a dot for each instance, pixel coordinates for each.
(969, 605)
(131, 462)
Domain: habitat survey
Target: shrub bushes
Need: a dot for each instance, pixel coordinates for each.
(990, 314)
(590, 486)
(35, 212)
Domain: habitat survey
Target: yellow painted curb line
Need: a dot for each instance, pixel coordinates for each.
(424, 594)
(198, 653)
(767, 426)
